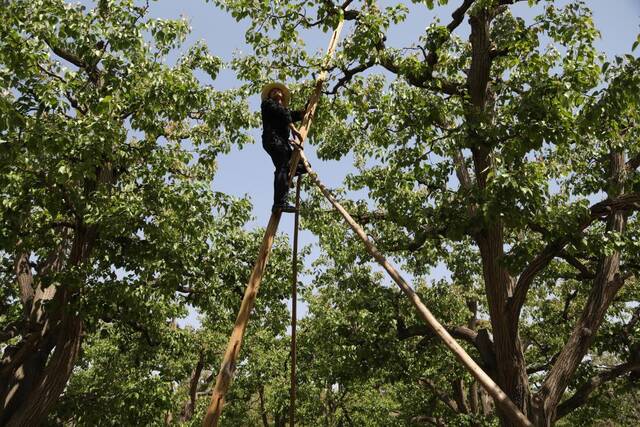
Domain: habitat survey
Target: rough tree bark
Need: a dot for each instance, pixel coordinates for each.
(511, 366)
(36, 370)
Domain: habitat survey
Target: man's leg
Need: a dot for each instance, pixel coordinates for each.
(280, 185)
(280, 154)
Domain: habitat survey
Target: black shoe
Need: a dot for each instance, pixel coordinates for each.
(283, 208)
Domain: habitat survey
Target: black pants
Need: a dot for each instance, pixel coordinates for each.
(280, 152)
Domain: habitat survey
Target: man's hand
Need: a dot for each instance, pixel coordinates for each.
(297, 142)
(296, 134)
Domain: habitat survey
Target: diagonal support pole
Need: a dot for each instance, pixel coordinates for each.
(501, 399)
(228, 366)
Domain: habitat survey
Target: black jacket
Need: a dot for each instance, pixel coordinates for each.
(276, 119)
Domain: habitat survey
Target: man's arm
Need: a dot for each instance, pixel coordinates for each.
(296, 116)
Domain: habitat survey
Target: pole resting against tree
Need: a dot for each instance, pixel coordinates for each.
(501, 399)
(228, 365)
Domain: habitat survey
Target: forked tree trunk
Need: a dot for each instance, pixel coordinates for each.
(35, 372)
(34, 405)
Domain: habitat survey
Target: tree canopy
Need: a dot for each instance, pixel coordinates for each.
(507, 158)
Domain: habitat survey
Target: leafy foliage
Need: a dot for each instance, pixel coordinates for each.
(477, 156)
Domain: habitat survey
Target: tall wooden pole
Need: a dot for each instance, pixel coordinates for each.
(501, 399)
(228, 365)
(294, 308)
(315, 97)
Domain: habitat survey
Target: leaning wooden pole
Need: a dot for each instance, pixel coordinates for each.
(501, 399)
(228, 365)
(315, 97)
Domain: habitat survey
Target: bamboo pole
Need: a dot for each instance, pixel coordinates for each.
(228, 365)
(501, 399)
(315, 97)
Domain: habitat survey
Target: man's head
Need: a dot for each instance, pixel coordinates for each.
(278, 92)
(277, 95)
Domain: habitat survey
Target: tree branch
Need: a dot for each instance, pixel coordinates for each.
(633, 163)
(91, 69)
(624, 203)
(451, 404)
(567, 304)
(349, 15)
(458, 15)
(348, 75)
(606, 285)
(187, 411)
(424, 79)
(460, 332)
(509, 2)
(581, 395)
(459, 391)
(585, 273)
(369, 217)
(462, 172)
(480, 340)
(542, 367)
(75, 104)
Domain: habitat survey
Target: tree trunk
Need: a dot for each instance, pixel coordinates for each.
(35, 403)
(35, 372)
(473, 398)
(510, 364)
(263, 410)
(190, 404)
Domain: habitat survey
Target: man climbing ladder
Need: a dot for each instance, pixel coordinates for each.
(277, 124)
(228, 365)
